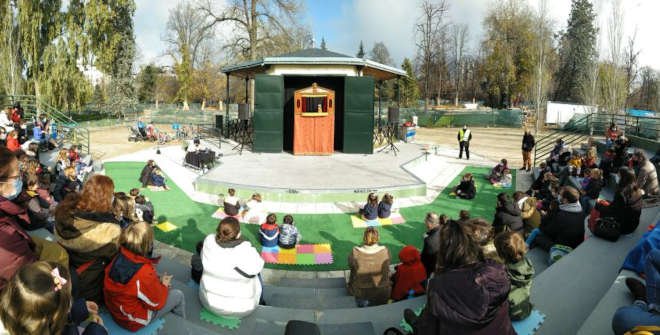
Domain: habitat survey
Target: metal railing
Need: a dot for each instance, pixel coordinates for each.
(68, 129)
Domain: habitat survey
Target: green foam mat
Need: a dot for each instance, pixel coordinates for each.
(228, 322)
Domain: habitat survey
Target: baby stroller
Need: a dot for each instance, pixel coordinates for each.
(134, 135)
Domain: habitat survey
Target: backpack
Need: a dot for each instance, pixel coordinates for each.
(558, 251)
(607, 228)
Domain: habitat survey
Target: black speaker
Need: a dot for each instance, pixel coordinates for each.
(243, 112)
(393, 114)
(219, 121)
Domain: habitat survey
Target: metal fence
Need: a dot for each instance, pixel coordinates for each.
(457, 118)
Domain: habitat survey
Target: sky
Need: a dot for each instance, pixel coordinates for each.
(344, 23)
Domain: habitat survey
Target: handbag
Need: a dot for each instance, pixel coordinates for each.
(607, 228)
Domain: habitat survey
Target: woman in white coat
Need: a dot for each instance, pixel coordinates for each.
(230, 284)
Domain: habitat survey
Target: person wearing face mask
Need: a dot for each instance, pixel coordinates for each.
(565, 225)
(18, 248)
(464, 136)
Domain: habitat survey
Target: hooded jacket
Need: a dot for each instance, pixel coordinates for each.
(229, 284)
(520, 275)
(91, 240)
(17, 246)
(132, 289)
(566, 226)
(409, 274)
(468, 301)
(508, 215)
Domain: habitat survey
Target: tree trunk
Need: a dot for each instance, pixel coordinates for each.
(203, 104)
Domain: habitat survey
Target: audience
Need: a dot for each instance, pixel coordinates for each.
(528, 211)
(593, 184)
(433, 221)
(134, 294)
(563, 225)
(269, 232)
(466, 189)
(410, 276)
(66, 184)
(86, 227)
(39, 209)
(230, 285)
(626, 207)
(369, 211)
(468, 293)
(385, 206)
(123, 207)
(507, 215)
(39, 300)
(645, 310)
(369, 280)
(231, 204)
(497, 173)
(512, 249)
(289, 235)
(647, 176)
(144, 209)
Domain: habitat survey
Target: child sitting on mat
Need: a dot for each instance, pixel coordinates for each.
(134, 294)
(466, 189)
(289, 235)
(231, 203)
(269, 232)
(385, 206)
(497, 173)
(254, 210)
(506, 181)
(370, 210)
(512, 249)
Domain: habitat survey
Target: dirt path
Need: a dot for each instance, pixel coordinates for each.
(113, 141)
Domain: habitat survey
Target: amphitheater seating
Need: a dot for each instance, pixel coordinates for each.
(568, 291)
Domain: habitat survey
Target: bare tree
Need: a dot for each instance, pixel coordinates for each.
(458, 38)
(187, 29)
(631, 65)
(255, 23)
(428, 29)
(542, 26)
(614, 99)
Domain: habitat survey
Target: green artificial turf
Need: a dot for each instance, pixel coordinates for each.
(195, 222)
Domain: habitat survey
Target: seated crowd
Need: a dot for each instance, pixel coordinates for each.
(475, 271)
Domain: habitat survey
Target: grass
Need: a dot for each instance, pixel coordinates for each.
(194, 219)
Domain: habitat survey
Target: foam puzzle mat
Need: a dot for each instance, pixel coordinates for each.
(302, 254)
(115, 329)
(228, 322)
(166, 226)
(395, 218)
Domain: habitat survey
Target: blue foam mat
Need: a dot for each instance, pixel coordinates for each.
(529, 325)
(115, 329)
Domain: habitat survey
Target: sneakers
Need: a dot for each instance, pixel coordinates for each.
(410, 316)
(637, 288)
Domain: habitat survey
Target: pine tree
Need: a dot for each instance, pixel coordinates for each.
(409, 87)
(360, 53)
(577, 53)
(323, 46)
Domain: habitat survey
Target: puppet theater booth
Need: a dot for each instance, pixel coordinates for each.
(312, 102)
(312, 115)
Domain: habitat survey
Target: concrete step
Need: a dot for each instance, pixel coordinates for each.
(270, 290)
(313, 283)
(310, 302)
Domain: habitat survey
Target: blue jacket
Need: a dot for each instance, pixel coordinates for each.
(268, 234)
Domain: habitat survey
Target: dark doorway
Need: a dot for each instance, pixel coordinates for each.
(294, 83)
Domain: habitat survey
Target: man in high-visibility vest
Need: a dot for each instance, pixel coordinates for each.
(464, 137)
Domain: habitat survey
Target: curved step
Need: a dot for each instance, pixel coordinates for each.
(310, 302)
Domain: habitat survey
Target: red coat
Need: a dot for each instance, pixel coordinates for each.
(13, 144)
(409, 274)
(132, 290)
(17, 248)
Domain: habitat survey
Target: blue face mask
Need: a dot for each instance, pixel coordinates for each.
(18, 187)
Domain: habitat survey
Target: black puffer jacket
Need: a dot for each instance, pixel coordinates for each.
(507, 215)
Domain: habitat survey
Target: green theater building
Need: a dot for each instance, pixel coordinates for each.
(292, 93)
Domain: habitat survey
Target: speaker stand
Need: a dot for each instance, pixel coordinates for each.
(390, 136)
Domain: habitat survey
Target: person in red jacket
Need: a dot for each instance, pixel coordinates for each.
(134, 294)
(410, 274)
(12, 141)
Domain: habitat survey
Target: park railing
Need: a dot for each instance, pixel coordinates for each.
(68, 130)
(459, 117)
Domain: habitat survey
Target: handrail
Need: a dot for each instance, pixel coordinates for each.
(33, 106)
